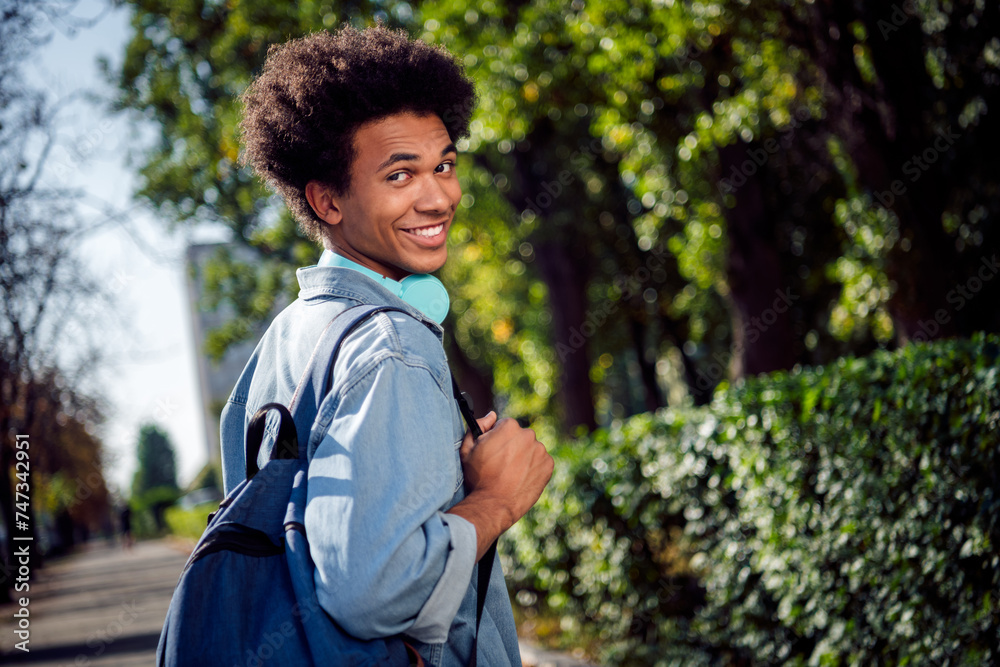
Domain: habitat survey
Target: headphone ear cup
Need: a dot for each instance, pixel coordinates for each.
(427, 294)
(422, 291)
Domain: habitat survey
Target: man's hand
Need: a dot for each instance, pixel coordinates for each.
(505, 473)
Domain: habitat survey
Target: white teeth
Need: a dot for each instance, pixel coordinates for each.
(427, 231)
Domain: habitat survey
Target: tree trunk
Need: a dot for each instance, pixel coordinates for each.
(652, 396)
(883, 125)
(924, 273)
(568, 300)
(762, 327)
(562, 262)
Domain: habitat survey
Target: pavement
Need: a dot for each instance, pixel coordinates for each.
(103, 606)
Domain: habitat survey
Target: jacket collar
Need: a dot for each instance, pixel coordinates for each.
(321, 283)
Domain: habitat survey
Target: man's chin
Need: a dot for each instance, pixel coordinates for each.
(428, 266)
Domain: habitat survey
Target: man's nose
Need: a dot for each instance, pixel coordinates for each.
(434, 197)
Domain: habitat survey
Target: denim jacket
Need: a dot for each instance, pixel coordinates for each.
(388, 559)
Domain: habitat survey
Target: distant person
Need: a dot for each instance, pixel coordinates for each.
(357, 130)
(125, 523)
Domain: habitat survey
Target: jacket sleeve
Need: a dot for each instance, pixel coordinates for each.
(388, 560)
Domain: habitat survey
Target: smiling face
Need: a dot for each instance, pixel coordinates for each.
(394, 218)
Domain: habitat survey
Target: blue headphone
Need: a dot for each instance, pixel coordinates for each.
(421, 290)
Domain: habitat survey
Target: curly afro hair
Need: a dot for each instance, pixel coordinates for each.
(301, 112)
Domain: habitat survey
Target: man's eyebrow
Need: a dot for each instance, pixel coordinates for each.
(394, 158)
(408, 157)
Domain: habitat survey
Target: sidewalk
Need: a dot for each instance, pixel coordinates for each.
(104, 607)
(101, 606)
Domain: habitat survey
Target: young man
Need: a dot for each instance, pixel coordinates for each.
(357, 132)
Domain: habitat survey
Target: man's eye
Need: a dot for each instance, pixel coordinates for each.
(446, 167)
(397, 177)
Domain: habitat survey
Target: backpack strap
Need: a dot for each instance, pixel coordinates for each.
(317, 379)
(297, 420)
(485, 568)
(316, 382)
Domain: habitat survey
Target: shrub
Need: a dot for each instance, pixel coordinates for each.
(190, 522)
(838, 515)
(148, 509)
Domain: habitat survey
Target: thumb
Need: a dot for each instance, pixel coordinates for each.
(485, 424)
(488, 421)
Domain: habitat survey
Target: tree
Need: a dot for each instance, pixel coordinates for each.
(154, 485)
(157, 467)
(209, 478)
(45, 294)
(485, 329)
(661, 190)
(67, 461)
(908, 90)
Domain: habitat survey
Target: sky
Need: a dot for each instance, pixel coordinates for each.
(152, 374)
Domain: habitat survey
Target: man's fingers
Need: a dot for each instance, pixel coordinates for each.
(467, 444)
(485, 424)
(488, 421)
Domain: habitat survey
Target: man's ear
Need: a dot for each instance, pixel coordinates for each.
(323, 202)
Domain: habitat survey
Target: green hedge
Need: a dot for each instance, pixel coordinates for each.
(148, 510)
(191, 522)
(830, 516)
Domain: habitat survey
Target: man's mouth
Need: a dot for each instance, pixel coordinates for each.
(426, 232)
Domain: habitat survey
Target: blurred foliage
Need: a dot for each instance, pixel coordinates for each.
(149, 510)
(156, 461)
(209, 477)
(189, 523)
(66, 456)
(70, 478)
(154, 485)
(46, 298)
(640, 179)
(768, 528)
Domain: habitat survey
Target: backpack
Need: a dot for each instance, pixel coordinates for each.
(247, 595)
